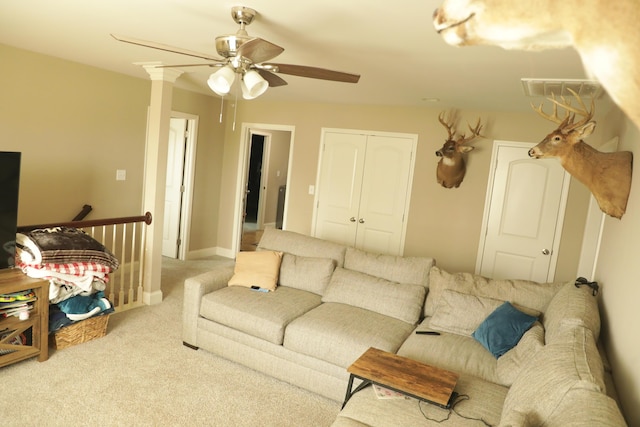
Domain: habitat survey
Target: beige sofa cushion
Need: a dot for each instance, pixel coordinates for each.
(523, 293)
(339, 333)
(571, 305)
(484, 402)
(307, 273)
(459, 313)
(301, 245)
(512, 362)
(554, 373)
(402, 301)
(262, 315)
(259, 269)
(413, 270)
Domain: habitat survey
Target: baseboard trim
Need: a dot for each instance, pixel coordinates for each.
(208, 252)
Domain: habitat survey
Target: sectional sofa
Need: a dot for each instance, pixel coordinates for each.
(526, 353)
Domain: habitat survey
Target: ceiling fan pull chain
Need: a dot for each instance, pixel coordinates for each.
(221, 107)
(235, 109)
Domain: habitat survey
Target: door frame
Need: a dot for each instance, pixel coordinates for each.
(188, 181)
(487, 208)
(241, 177)
(264, 174)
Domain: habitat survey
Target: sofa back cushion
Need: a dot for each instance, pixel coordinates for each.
(413, 270)
(306, 273)
(571, 306)
(301, 245)
(523, 293)
(403, 301)
(557, 370)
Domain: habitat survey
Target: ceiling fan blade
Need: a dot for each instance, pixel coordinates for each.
(272, 79)
(217, 64)
(315, 73)
(165, 47)
(258, 50)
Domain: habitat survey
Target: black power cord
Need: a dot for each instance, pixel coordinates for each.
(459, 399)
(581, 281)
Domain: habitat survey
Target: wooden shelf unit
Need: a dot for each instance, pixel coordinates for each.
(13, 280)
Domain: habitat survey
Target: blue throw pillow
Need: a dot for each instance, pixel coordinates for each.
(503, 328)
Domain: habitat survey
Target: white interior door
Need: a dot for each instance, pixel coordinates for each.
(523, 215)
(340, 183)
(174, 187)
(364, 187)
(384, 194)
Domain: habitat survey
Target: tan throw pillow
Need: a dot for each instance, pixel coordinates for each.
(259, 269)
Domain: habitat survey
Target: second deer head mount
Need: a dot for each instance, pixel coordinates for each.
(452, 167)
(607, 175)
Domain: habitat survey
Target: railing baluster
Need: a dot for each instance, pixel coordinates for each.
(143, 245)
(122, 268)
(132, 262)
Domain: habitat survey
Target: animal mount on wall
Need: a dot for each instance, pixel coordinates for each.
(607, 175)
(605, 34)
(452, 168)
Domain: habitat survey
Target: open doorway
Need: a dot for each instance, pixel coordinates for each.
(264, 173)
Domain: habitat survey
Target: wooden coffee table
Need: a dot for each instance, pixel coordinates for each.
(407, 376)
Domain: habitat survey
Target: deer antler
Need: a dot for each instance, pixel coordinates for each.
(449, 126)
(475, 132)
(566, 123)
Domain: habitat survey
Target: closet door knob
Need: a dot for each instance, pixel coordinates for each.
(546, 252)
(361, 221)
(352, 219)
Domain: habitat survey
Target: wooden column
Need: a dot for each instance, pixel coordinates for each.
(162, 80)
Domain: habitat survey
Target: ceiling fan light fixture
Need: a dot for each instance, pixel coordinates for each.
(253, 85)
(221, 81)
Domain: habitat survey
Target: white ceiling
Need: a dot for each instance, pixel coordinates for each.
(392, 44)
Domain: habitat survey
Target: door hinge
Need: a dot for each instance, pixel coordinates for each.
(182, 188)
(178, 242)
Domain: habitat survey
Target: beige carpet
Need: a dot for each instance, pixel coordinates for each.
(140, 374)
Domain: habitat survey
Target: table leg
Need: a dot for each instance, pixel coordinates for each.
(350, 393)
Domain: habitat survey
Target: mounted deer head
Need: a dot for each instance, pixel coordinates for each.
(605, 34)
(451, 167)
(607, 175)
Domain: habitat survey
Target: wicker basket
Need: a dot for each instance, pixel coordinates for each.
(79, 332)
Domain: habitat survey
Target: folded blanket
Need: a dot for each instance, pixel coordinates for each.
(60, 245)
(60, 291)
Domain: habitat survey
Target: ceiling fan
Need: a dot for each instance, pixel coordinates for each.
(245, 56)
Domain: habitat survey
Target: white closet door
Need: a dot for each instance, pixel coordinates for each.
(384, 194)
(364, 185)
(339, 188)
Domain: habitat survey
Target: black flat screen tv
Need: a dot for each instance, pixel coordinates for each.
(9, 187)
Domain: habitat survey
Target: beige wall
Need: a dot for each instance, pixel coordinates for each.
(443, 223)
(618, 271)
(76, 125)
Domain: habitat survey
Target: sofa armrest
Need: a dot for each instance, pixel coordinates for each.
(194, 289)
